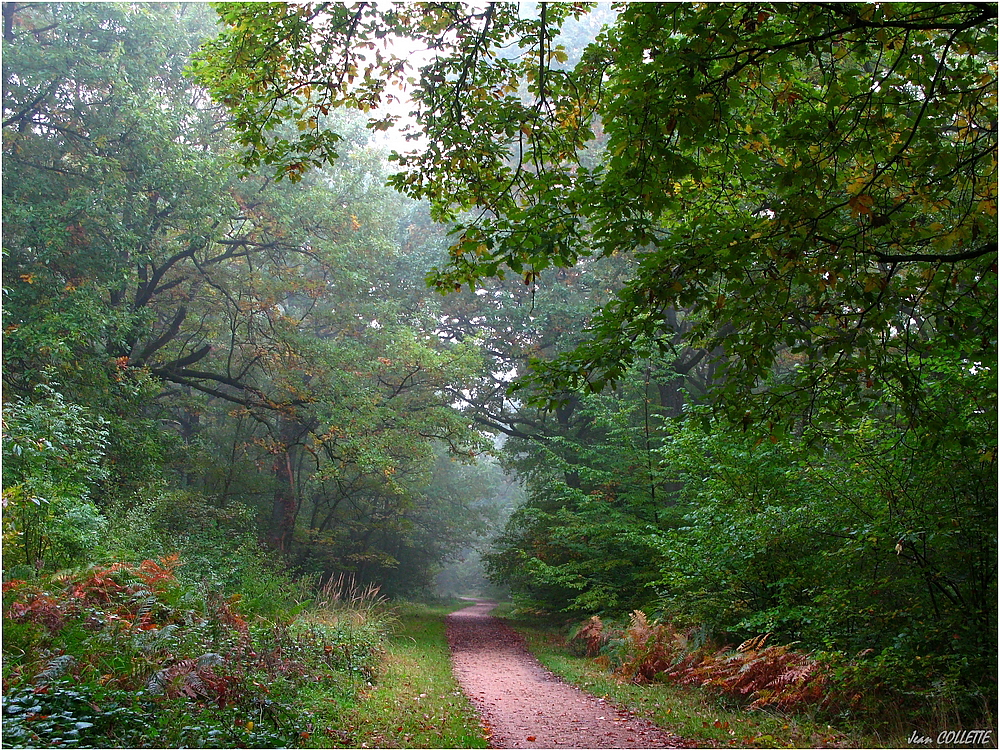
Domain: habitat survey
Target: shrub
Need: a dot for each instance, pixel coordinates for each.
(125, 641)
(53, 455)
(755, 674)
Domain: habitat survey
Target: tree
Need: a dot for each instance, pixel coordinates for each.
(814, 182)
(239, 330)
(583, 542)
(102, 201)
(805, 198)
(137, 248)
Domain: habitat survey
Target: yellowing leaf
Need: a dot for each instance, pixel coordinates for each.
(857, 185)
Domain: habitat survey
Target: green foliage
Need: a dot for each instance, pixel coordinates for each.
(53, 459)
(885, 546)
(130, 653)
(792, 198)
(62, 714)
(811, 181)
(584, 541)
(201, 531)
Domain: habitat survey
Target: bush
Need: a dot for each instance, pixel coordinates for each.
(52, 460)
(133, 646)
(219, 549)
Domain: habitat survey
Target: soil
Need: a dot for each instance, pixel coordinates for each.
(525, 706)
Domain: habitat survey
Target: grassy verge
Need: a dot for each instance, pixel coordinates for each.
(416, 702)
(129, 656)
(689, 712)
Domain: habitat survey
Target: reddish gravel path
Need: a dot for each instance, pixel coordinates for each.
(524, 705)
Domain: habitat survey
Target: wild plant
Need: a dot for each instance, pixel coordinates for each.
(211, 676)
(592, 634)
(758, 675)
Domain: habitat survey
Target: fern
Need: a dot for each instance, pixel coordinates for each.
(592, 633)
(56, 668)
(143, 603)
(774, 676)
(209, 659)
(173, 681)
(753, 643)
(650, 648)
(158, 682)
(153, 640)
(155, 575)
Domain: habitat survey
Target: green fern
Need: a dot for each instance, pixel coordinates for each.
(56, 668)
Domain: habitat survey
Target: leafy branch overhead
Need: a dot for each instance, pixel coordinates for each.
(814, 182)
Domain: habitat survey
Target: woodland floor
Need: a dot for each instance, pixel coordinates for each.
(525, 706)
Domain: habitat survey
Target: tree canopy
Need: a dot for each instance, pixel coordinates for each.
(813, 183)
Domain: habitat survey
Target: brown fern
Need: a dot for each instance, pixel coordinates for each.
(156, 575)
(592, 633)
(753, 643)
(650, 648)
(776, 676)
(192, 679)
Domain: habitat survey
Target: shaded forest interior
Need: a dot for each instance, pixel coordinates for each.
(669, 311)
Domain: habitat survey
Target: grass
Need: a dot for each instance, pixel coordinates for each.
(101, 658)
(415, 703)
(691, 713)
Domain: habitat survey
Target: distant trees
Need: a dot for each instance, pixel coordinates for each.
(230, 335)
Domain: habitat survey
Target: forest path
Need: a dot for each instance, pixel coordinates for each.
(526, 706)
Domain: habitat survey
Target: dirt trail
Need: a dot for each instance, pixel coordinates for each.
(526, 706)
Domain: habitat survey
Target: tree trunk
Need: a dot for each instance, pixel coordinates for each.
(285, 506)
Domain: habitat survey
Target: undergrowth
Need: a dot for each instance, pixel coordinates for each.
(868, 689)
(752, 694)
(764, 676)
(127, 656)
